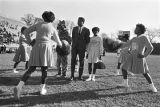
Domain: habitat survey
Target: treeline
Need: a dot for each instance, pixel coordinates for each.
(156, 50)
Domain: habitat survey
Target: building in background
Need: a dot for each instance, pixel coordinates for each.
(121, 34)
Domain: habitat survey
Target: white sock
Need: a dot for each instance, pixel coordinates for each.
(126, 82)
(43, 89)
(90, 75)
(20, 85)
(43, 86)
(152, 85)
(93, 76)
(153, 88)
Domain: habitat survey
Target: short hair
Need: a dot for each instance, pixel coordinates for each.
(81, 18)
(23, 28)
(142, 28)
(48, 16)
(95, 29)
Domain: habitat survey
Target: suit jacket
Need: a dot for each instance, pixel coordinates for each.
(80, 41)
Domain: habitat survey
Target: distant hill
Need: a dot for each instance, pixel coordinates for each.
(69, 24)
(11, 21)
(13, 27)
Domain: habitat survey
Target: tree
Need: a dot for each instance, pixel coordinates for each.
(29, 19)
(113, 35)
(104, 35)
(152, 33)
(69, 24)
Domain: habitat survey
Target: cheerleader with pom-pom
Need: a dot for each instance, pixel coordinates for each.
(41, 54)
(140, 47)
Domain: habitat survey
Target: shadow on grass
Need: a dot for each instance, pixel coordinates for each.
(1, 92)
(5, 95)
(34, 98)
(127, 93)
(9, 81)
(4, 70)
(21, 69)
(35, 80)
(49, 69)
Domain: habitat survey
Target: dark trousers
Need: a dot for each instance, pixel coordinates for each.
(31, 70)
(81, 52)
(119, 65)
(16, 63)
(62, 62)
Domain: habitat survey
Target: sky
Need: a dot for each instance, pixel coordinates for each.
(108, 15)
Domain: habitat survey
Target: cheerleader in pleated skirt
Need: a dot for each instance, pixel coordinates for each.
(42, 51)
(22, 52)
(140, 48)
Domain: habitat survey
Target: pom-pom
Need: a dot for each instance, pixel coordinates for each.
(33, 42)
(65, 49)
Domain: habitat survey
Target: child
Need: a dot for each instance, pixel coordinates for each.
(62, 60)
(122, 53)
(21, 53)
(140, 48)
(94, 50)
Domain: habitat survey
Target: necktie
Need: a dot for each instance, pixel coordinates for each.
(79, 32)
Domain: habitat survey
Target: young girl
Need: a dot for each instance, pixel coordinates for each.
(41, 54)
(94, 50)
(140, 48)
(21, 53)
(123, 53)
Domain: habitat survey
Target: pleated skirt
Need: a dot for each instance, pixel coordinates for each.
(135, 65)
(42, 55)
(123, 56)
(22, 54)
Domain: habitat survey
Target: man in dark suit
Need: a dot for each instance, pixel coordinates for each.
(80, 40)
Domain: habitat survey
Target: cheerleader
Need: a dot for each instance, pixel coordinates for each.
(95, 51)
(41, 54)
(21, 53)
(140, 48)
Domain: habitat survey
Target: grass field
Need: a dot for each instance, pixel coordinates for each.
(64, 93)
